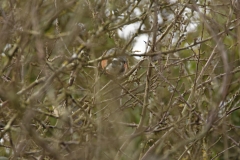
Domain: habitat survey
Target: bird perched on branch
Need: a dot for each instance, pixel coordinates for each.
(116, 65)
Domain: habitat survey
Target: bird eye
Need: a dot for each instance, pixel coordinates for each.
(116, 62)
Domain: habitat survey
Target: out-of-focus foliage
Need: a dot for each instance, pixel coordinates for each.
(179, 99)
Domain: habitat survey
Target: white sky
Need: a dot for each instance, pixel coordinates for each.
(140, 42)
(128, 30)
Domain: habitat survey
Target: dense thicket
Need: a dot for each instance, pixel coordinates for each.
(178, 100)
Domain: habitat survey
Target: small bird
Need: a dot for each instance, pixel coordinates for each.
(114, 66)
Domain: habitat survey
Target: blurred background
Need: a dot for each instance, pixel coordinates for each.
(179, 98)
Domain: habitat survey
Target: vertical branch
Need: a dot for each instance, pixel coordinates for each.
(146, 97)
(197, 81)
